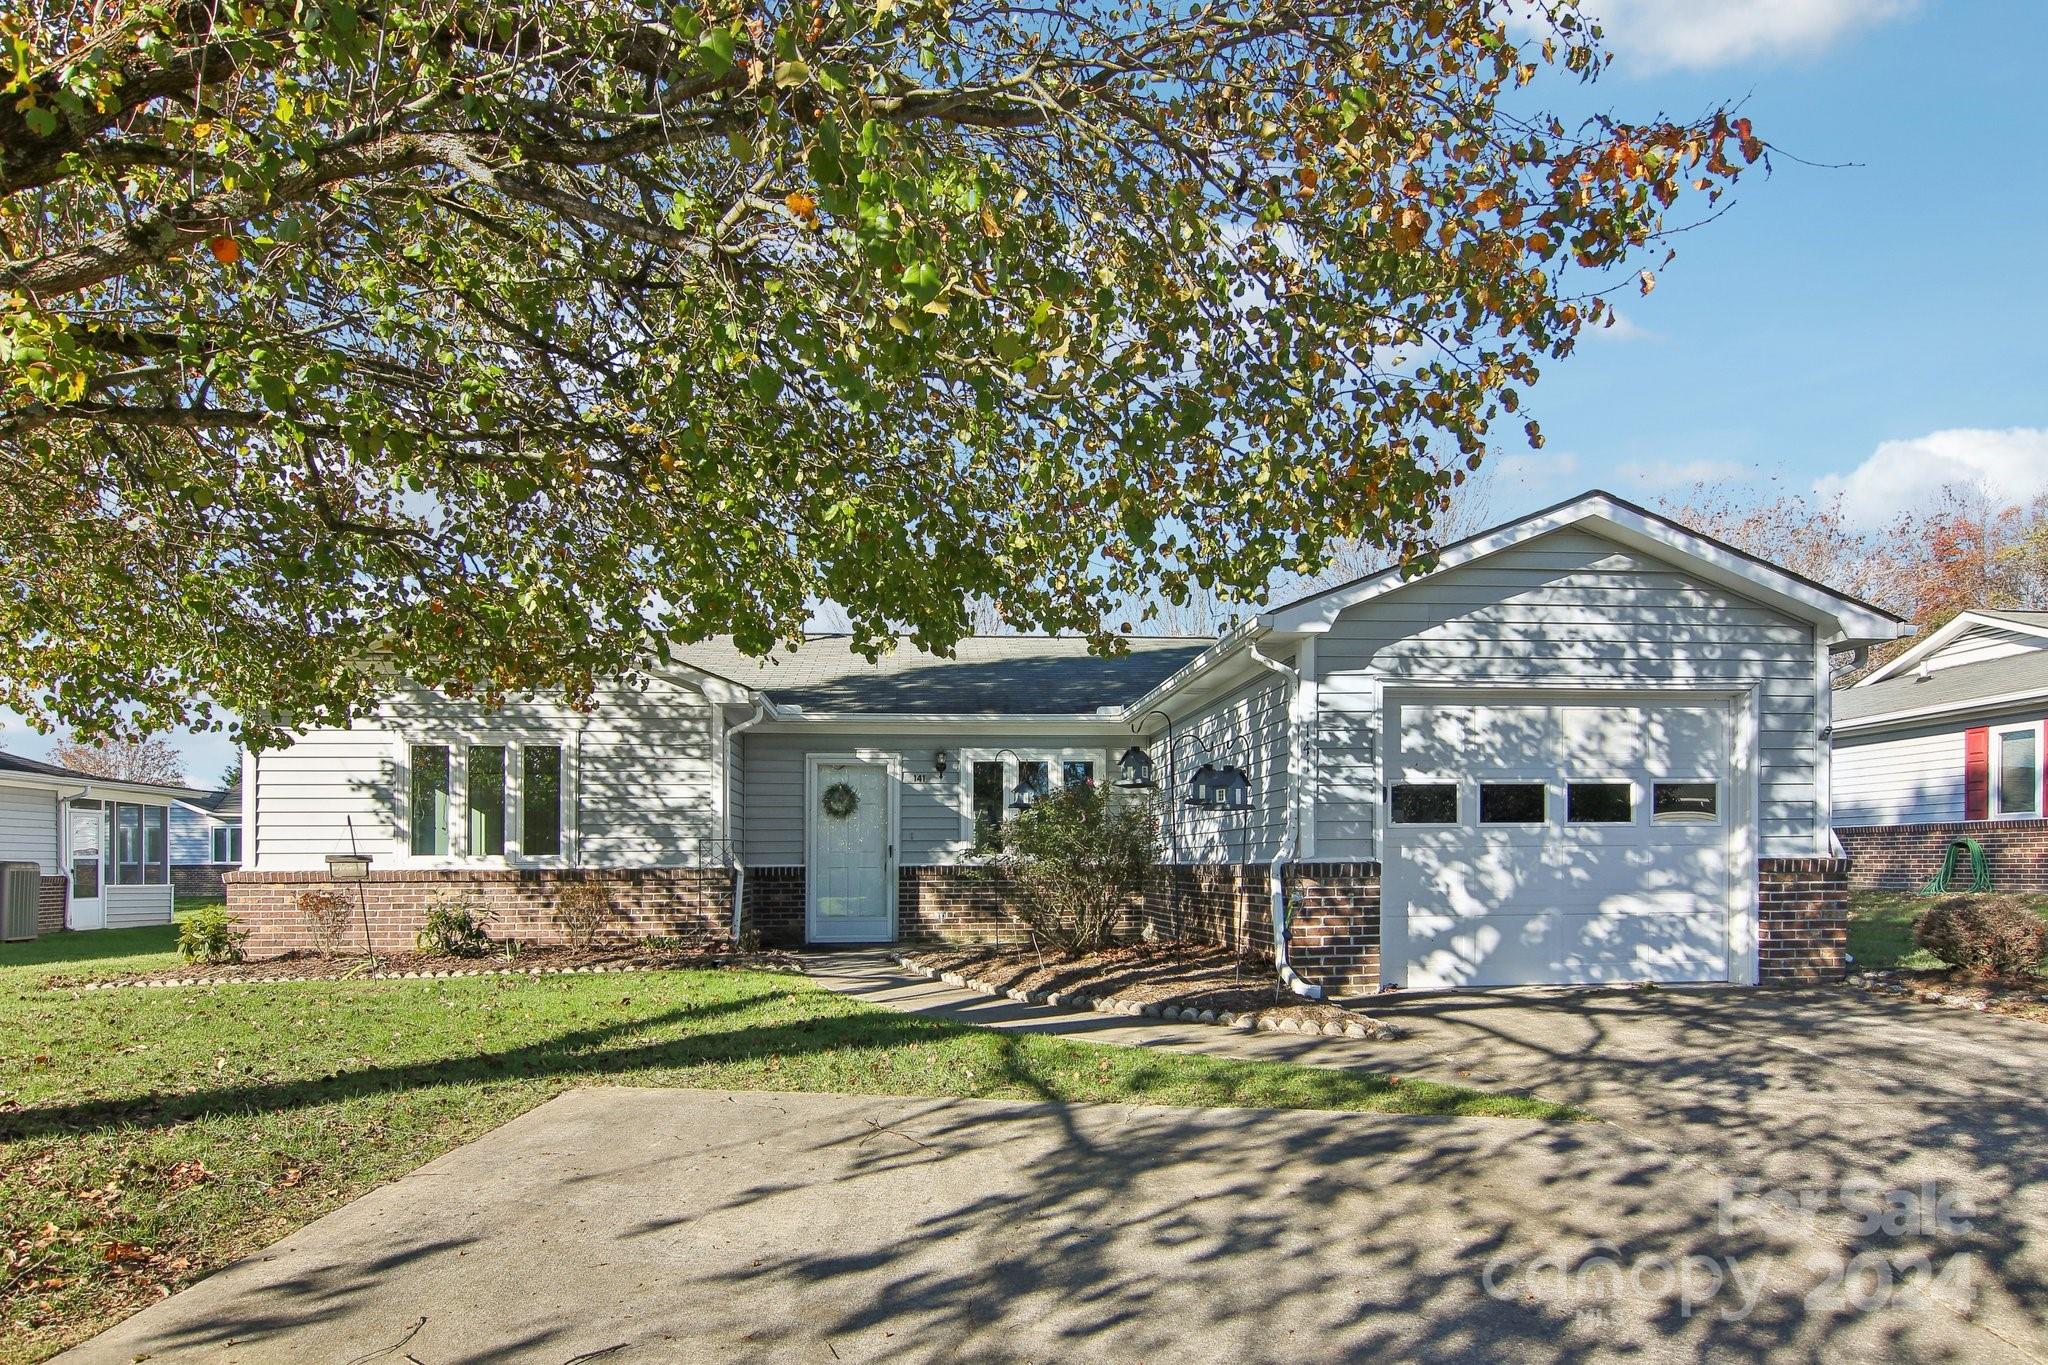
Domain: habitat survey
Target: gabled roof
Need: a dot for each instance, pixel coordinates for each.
(1976, 618)
(2016, 680)
(1851, 619)
(1010, 675)
(225, 804)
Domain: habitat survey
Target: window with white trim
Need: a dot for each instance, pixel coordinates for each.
(990, 778)
(227, 843)
(142, 854)
(2016, 789)
(496, 799)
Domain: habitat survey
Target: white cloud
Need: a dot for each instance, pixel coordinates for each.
(1657, 35)
(1663, 476)
(1622, 328)
(2006, 467)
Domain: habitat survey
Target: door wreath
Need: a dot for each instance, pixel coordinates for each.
(839, 801)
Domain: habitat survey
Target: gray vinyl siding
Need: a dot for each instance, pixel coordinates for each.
(637, 766)
(191, 837)
(28, 828)
(1246, 728)
(1912, 775)
(932, 809)
(1570, 608)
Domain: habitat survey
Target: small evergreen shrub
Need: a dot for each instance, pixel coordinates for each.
(1074, 861)
(583, 910)
(211, 936)
(454, 930)
(1986, 935)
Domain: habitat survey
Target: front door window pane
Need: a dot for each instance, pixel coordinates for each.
(540, 801)
(2019, 773)
(986, 799)
(487, 800)
(429, 800)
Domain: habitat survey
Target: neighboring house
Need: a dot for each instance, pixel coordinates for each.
(1588, 746)
(101, 847)
(1945, 742)
(206, 840)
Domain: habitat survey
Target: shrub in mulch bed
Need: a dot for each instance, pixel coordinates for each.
(528, 961)
(1190, 979)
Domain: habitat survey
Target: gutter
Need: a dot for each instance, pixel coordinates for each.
(1276, 873)
(763, 708)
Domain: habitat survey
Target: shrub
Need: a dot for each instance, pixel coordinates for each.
(326, 914)
(454, 930)
(1987, 935)
(1074, 860)
(211, 935)
(584, 910)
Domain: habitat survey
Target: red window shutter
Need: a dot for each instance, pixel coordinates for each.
(1977, 774)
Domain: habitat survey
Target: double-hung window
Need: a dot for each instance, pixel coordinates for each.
(2016, 788)
(485, 800)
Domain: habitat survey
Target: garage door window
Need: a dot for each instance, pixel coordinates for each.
(1425, 803)
(1685, 803)
(1599, 803)
(1511, 803)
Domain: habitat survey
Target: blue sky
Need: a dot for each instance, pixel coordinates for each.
(1873, 331)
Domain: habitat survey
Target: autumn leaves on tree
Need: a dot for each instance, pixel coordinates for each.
(516, 340)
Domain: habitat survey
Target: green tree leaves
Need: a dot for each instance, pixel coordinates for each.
(505, 342)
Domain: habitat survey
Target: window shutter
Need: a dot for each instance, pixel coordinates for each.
(1977, 774)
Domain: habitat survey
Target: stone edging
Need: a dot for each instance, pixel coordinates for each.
(1082, 1000)
(155, 982)
(1888, 983)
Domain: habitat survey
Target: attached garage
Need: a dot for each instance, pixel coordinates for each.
(1545, 838)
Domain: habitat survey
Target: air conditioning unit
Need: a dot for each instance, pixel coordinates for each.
(21, 894)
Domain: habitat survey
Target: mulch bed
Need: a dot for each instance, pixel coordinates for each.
(531, 960)
(1189, 982)
(1946, 986)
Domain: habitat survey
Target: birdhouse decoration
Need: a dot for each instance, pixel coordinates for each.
(1134, 768)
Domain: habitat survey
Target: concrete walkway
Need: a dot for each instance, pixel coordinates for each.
(651, 1225)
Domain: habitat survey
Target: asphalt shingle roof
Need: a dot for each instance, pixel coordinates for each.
(1957, 686)
(989, 674)
(14, 763)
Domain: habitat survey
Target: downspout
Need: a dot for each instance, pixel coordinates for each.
(739, 864)
(1276, 874)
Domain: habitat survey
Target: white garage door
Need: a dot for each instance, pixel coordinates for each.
(1556, 841)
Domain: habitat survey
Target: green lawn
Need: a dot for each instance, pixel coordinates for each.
(1881, 929)
(147, 1136)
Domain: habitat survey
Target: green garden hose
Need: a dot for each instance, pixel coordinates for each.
(1945, 880)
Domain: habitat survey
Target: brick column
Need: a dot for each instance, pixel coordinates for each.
(1333, 931)
(53, 897)
(775, 906)
(1802, 920)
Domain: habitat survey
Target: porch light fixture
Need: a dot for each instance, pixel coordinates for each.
(939, 762)
(1134, 769)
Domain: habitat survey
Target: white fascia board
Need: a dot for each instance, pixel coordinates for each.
(1851, 621)
(975, 722)
(1966, 710)
(84, 787)
(1940, 639)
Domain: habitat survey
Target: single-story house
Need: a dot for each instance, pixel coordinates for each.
(101, 848)
(1587, 746)
(1945, 743)
(206, 840)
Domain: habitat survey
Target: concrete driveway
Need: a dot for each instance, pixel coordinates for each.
(1704, 1216)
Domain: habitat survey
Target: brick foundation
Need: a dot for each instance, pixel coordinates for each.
(1802, 920)
(1904, 857)
(1227, 904)
(775, 906)
(53, 897)
(200, 879)
(686, 901)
